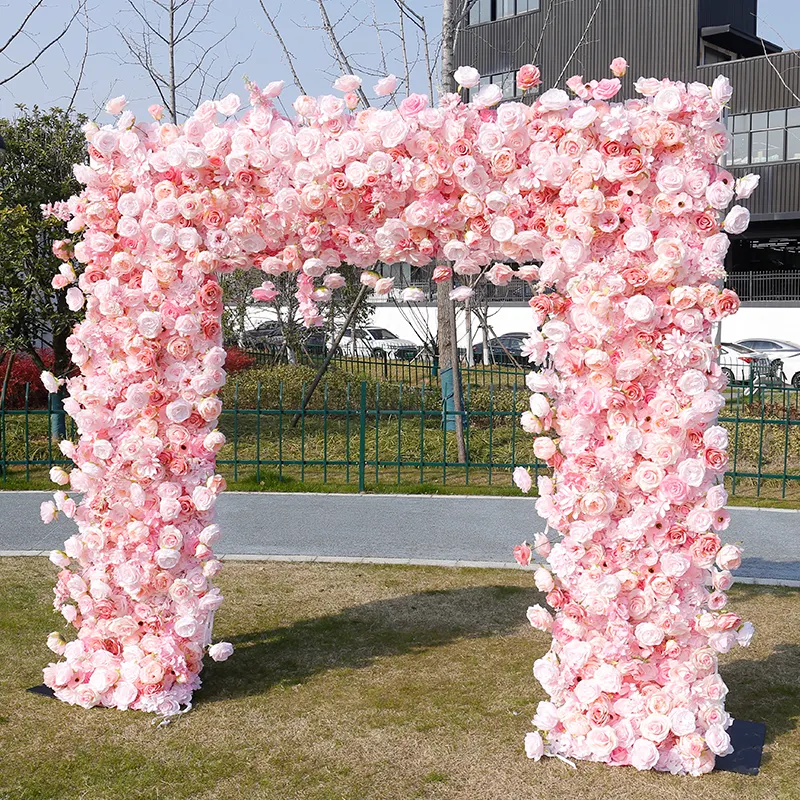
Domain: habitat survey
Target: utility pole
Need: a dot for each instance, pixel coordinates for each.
(447, 333)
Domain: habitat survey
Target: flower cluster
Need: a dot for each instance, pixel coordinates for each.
(617, 203)
(638, 579)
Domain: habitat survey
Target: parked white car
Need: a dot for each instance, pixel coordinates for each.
(791, 369)
(738, 363)
(374, 341)
(771, 348)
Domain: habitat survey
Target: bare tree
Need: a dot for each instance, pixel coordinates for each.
(176, 44)
(286, 52)
(23, 31)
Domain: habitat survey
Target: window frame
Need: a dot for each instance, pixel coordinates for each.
(493, 13)
(750, 125)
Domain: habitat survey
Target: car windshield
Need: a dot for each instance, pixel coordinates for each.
(381, 333)
(736, 348)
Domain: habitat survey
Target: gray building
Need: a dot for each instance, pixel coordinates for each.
(688, 40)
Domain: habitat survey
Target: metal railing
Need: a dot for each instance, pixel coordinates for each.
(367, 433)
(414, 367)
(777, 286)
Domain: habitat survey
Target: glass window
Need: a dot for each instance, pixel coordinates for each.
(740, 147)
(758, 147)
(793, 117)
(713, 56)
(505, 8)
(741, 122)
(480, 12)
(777, 119)
(758, 122)
(527, 5)
(507, 83)
(793, 144)
(775, 145)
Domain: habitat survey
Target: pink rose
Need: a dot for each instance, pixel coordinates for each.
(729, 557)
(644, 754)
(606, 89)
(522, 478)
(619, 66)
(540, 618)
(534, 746)
(385, 86)
(718, 740)
(116, 105)
(522, 554)
(528, 77)
(544, 448)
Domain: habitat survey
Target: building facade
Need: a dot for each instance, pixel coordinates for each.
(688, 40)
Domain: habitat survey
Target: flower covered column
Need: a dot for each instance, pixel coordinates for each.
(137, 576)
(637, 580)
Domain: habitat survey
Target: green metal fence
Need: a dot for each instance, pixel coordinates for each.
(368, 433)
(415, 371)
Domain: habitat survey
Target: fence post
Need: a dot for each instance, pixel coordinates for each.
(362, 438)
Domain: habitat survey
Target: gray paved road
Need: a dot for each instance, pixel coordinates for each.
(391, 526)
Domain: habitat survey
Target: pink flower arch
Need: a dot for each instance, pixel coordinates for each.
(611, 210)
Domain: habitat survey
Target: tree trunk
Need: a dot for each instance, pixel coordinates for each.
(172, 88)
(468, 329)
(6, 378)
(446, 334)
(334, 346)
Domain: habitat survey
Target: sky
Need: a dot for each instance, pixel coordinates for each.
(249, 49)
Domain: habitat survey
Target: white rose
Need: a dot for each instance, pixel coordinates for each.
(692, 382)
(668, 100)
(746, 185)
(682, 722)
(648, 634)
(717, 737)
(629, 439)
(50, 382)
(637, 239)
(737, 220)
(167, 558)
(502, 229)
(540, 405)
(554, 100)
(179, 411)
(221, 651)
(468, 77)
(721, 89)
(488, 96)
(640, 308)
(692, 471)
(149, 324)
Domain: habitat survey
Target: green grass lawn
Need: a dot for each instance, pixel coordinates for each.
(361, 683)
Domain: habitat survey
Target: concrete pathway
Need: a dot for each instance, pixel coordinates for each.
(475, 530)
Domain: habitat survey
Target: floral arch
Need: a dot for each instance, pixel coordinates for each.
(613, 209)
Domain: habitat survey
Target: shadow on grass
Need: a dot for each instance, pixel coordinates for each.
(356, 636)
(766, 690)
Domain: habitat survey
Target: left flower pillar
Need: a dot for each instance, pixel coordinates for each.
(136, 577)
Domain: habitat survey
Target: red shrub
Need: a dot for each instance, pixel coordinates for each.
(237, 360)
(23, 371)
